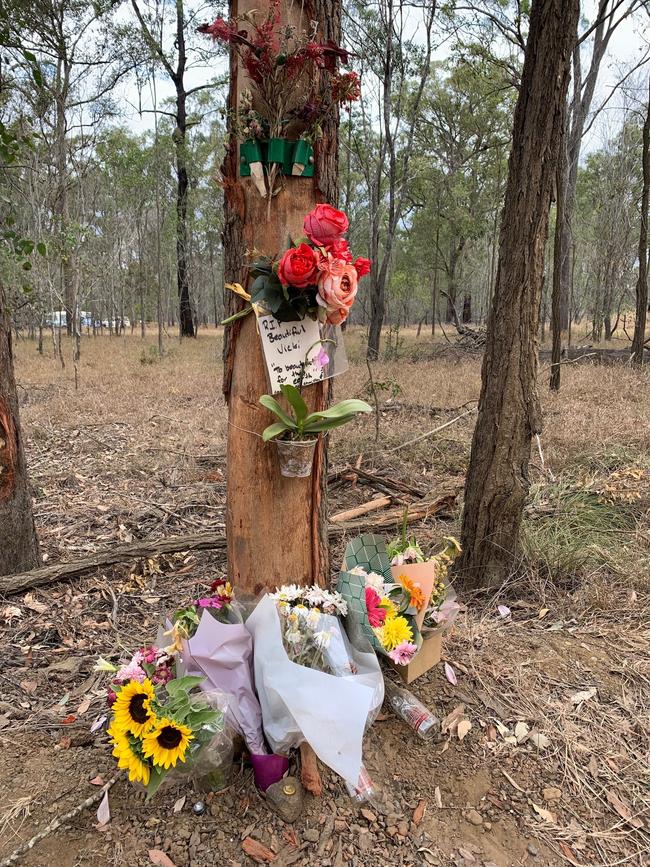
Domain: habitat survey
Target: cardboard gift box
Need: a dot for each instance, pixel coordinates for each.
(427, 656)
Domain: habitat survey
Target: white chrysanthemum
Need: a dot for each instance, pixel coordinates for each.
(314, 595)
(357, 570)
(301, 610)
(376, 581)
(287, 593)
(323, 638)
(313, 618)
(293, 636)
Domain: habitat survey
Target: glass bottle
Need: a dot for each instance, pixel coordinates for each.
(411, 710)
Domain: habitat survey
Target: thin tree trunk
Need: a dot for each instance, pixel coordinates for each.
(638, 341)
(558, 252)
(18, 542)
(185, 319)
(275, 526)
(509, 413)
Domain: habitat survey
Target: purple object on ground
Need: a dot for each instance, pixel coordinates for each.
(268, 770)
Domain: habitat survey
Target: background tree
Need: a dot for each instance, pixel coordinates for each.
(639, 339)
(508, 414)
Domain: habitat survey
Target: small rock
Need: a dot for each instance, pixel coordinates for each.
(369, 815)
(286, 798)
(532, 850)
(474, 817)
(392, 830)
(487, 826)
(403, 828)
(552, 794)
(311, 835)
(340, 824)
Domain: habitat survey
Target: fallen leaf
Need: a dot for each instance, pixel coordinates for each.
(289, 836)
(583, 695)
(257, 851)
(179, 804)
(11, 611)
(542, 613)
(544, 814)
(568, 853)
(83, 707)
(104, 811)
(34, 604)
(593, 766)
(521, 732)
(29, 686)
(623, 809)
(511, 781)
(438, 797)
(97, 781)
(552, 793)
(539, 740)
(420, 810)
(504, 611)
(158, 857)
(65, 743)
(450, 674)
(463, 728)
(464, 853)
(491, 732)
(67, 720)
(99, 722)
(450, 722)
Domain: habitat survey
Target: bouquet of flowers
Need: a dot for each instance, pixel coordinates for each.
(211, 641)
(386, 606)
(315, 277)
(443, 608)
(313, 685)
(160, 722)
(294, 83)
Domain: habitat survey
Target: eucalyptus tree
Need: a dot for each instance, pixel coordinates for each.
(168, 32)
(395, 66)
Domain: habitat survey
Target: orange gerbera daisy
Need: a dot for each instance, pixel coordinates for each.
(414, 591)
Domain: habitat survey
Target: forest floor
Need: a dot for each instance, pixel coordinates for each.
(555, 767)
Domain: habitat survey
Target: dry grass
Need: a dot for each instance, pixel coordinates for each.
(138, 449)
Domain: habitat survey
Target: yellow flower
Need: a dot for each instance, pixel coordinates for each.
(132, 708)
(127, 757)
(389, 605)
(165, 744)
(394, 632)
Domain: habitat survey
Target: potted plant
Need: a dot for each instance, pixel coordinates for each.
(297, 430)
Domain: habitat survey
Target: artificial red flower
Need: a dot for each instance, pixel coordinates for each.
(325, 224)
(298, 266)
(340, 249)
(362, 266)
(346, 87)
(376, 614)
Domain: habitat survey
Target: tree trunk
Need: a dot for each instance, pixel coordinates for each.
(18, 542)
(638, 341)
(467, 308)
(558, 251)
(276, 527)
(185, 318)
(509, 413)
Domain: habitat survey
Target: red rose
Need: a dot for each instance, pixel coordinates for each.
(325, 224)
(340, 249)
(297, 267)
(362, 266)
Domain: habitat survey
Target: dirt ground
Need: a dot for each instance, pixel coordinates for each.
(555, 767)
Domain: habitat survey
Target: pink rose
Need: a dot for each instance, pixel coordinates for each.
(337, 288)
(297, 267)
(325, 224)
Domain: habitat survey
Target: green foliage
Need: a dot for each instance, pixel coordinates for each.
(299, 423)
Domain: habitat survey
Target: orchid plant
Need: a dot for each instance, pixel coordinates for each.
(299, 424)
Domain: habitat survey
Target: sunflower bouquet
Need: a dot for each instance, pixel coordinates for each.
(160, 722)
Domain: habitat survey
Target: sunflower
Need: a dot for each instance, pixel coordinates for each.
(414, 591)
(127, 752)
(165, 743)
(132, 708)
(394, 632)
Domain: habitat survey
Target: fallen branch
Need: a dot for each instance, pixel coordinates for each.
(430, 433)
(56, 823)
(116, 554)
(198, 542)
(363, 509)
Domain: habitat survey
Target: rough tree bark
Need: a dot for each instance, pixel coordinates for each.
(639, 339)
(556, 293)
(509, 414)
(276, 527)
(18, 542)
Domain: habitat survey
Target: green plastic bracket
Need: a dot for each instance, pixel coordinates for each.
(277, 150)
